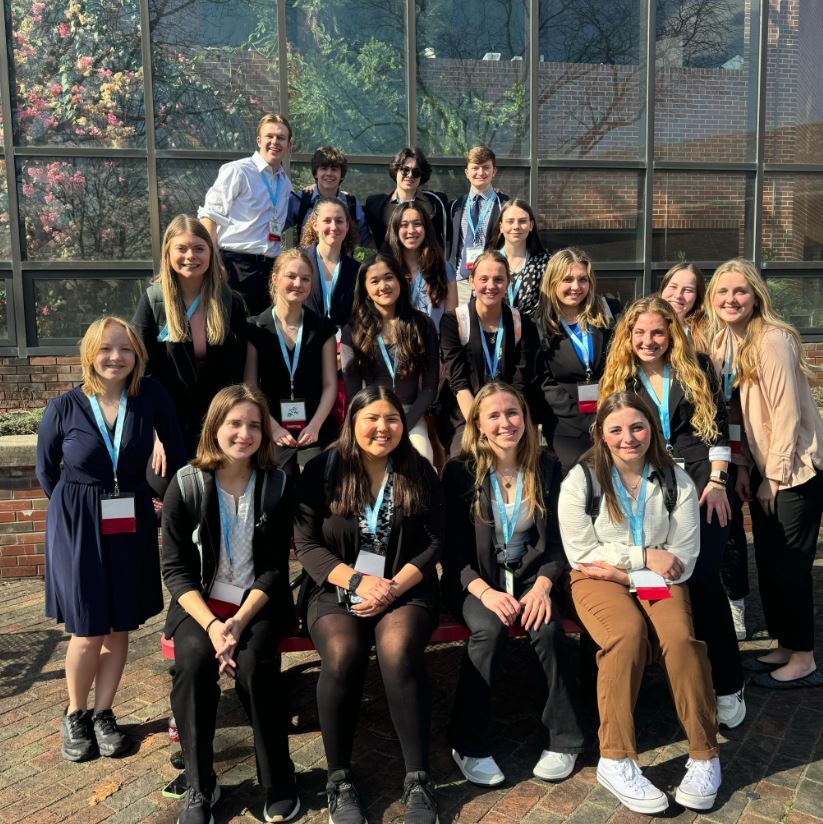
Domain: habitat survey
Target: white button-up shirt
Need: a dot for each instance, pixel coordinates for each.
(241, 206)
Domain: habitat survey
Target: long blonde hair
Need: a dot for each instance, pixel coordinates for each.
(475, 449)
(210, 291)
(90, 346)
(549, 312)
(763, 316)
(621, 367)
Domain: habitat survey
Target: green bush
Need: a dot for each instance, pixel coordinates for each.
(20, 423)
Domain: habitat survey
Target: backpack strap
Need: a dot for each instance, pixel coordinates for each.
(154, 293)
(463, 323)
(274, 484)
(593, 497)
(668, 484)
(303, 209)
(351, 203)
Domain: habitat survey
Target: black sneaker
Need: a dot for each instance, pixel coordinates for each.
(197, 806)
(418, 796)
(345, 806)
(111, 740)
(79, 743)
(280, 808)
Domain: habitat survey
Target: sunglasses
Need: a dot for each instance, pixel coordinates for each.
(405, 171)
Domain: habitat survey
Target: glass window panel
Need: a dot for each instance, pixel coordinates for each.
(706, 79)
(65, 307)
(5, 237)
(215, 69)
(472, 76)
(792, 217)
(591, 96)
(798, 299)
(452, 180)
(596, 210)
(347, 75)
(5, 309)
(78, 73)
(361, 180)
(182, 186)
(700, 215)
(623, 287)
(794, 84)
(84, 208)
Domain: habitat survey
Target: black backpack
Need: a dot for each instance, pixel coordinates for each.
(665, 477)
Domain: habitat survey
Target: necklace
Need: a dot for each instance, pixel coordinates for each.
(508, 477)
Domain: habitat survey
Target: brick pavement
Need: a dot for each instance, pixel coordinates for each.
(773, 764)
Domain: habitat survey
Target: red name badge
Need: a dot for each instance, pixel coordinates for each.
(117, 514)
(587, 396)
(653, 593)
(293, 415)
(649, 586)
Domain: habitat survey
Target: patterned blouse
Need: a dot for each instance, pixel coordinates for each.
(530, 278)
(384, 521)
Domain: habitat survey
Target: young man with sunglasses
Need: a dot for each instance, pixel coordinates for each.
(409, 171)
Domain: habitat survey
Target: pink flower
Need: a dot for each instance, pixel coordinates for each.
(56, 88)
(44, 310)
(64, 30)
(37, 8)
(84, 63)
(28, 190)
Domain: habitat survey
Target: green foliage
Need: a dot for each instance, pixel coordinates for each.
(20, 423)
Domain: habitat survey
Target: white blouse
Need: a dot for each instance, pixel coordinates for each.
(241, 537)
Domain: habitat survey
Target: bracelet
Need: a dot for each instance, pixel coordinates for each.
(644, 558)
(210, 623)
(717, 482)
(480, 598)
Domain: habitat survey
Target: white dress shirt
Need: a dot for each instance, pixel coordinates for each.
(241, 206)
(241, 537)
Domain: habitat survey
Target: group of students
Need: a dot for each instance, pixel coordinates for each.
(660, 421)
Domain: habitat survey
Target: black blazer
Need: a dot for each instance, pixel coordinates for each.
(693, 451)
(469, 551)
(175, 367)
(185, 571)
(456, 221)
(375, 206)
(343, 295)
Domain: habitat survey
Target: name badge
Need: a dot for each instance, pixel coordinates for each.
(275, 230)
(293, 414)
(117, 514)
(735, 438)
(370, 563)
(507, 580)
(681, 463)
(587, 396)
(472, 253)
(226, 592)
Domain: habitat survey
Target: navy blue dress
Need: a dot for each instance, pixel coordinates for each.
(97, 584)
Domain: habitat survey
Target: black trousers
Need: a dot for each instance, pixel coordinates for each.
(569, 449)
(249, 275)
(734, 569)
(470, 729)
(784, 549)
(195, 694)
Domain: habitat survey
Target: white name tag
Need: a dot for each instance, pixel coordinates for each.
(293, 415)
(507, 580)
(223, 591)
(472, 253)
(117, 515)
(370, 563)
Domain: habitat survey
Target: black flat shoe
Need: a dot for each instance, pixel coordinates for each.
(765, 679)
(756, 665)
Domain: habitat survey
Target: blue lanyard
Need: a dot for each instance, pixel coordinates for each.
(583, 346)
(635, 519)
(291, 362)
(229, 524)
(507, 524)
(391, 364)
(662, 404)
(112, 448)
(163, 335)
(274, 195)
(327, 293)
(487, 207)
(517, 282)
(372, 513)
(729, 374)
(491, 365)
(418, 291)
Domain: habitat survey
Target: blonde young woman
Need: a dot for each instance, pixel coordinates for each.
(651, 356)
(502, 561)
(575, 329)
(780, 475)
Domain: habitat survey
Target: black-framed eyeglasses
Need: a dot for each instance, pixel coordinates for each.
(405, 171)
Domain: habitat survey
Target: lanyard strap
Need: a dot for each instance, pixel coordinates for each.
(583, 346)
(275, 193)
(491, 365)
(514, 288)
(662, 404)
(372, 513)
(163, 335)
(507, 524)
(418, 292)
(635, 519)
(327, 292)
(487, 207)
(729, 373)
(229, 524)
(112, 448)
(391, 363)
(291, 362)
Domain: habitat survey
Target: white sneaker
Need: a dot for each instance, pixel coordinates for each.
(623, 779)
(483, 771)
(731, 710)
(554, 766)
(738, 609)
(699, 786)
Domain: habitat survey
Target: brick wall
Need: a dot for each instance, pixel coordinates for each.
(27, 383)
(22, 524)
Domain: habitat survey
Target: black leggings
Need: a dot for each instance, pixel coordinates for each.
(343, 642)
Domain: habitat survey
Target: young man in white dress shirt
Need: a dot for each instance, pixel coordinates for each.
(246, 211)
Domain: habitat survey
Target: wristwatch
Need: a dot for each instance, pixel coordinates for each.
(719, 475)
(354, 582)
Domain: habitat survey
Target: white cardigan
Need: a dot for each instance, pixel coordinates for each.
(584, 541)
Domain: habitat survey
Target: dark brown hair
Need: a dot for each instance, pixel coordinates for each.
(310, 234)
(533, 242)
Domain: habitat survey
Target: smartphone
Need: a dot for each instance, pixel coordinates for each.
(176, 788)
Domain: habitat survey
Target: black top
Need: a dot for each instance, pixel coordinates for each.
(343, 294)
(273, 374)
(687, 446)
(374, 210)
(192, 385)
(456, 229)
(185, 570)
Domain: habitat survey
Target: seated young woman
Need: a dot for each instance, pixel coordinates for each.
(226, 539)
(501, 562)
(632, 553)
(368, 530)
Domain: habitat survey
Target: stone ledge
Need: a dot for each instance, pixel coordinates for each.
(17, 450)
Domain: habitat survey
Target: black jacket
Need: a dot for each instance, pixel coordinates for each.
(343, 294)
(375, 206)
(456, 228)
(185, 571)
(469, 551)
